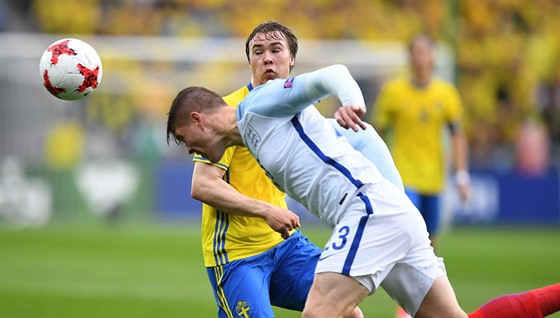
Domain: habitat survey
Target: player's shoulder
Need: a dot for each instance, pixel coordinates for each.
(234, 98)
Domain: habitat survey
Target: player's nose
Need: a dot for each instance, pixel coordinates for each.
(267, 57)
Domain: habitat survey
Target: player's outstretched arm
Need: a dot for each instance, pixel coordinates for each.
(336, 80)
(276, 100)
(209, 187)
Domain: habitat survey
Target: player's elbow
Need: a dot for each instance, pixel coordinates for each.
(340, 68)
(197, 194)
(199, 190)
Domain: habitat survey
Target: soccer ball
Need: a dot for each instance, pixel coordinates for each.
(70, 69)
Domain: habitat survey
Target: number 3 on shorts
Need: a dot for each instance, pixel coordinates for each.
(339, 244)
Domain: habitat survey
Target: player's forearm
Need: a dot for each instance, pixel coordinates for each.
(222, 196)
(460, 151)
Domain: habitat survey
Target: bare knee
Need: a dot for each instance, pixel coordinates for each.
(318, 308)
(312, 312)
(357, 313)
(334, 295)
(440, 301)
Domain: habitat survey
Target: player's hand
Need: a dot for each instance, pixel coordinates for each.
(464, 190)
(348, 116)
(463, 185)
(282, 220)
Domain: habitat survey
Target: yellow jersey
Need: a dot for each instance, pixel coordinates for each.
(416, 117)
(228, 237)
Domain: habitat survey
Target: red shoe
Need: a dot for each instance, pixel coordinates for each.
(401, 313)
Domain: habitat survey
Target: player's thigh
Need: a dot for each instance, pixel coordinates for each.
(408, 284)
(334, 295)
(294, 270)
(440, 301)
(241, 288)
(367, 246)
(412, 277)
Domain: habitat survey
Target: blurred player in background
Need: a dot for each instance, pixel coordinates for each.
(379, 239)
(415, 109)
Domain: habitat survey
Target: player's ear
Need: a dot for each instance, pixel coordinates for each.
(196, 119)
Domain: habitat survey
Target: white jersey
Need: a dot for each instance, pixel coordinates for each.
(297, 146)
(379, 238)
(371, 145)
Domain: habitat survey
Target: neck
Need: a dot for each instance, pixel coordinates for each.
(254, 82)
(231, 131)
(421, 81)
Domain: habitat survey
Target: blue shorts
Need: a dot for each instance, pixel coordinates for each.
(281, 276)
(429, 206)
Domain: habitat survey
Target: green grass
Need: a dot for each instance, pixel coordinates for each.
(157, 270)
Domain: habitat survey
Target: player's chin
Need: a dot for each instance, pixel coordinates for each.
(268, 76)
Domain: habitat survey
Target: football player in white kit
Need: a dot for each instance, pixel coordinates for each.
(379, 238)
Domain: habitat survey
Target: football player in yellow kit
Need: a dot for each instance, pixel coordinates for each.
(250, 265)
(416, 109)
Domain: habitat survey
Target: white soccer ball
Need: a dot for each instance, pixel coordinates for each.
(70, 69)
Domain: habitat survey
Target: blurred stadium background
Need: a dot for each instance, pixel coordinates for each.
(95, 208)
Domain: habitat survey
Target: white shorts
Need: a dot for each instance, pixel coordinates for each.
(382, 241)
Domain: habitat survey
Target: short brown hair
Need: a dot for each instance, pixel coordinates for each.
(190, 99)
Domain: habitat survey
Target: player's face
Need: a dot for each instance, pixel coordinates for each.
(269, 57)
(422, 59)
(199, 140)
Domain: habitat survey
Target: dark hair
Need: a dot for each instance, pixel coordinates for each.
(421, 38)
(190, 99)
(271, 30)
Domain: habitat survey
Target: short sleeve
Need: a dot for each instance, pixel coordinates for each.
(223, 163)
(453, 108)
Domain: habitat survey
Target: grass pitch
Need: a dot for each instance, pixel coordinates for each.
(156, 270)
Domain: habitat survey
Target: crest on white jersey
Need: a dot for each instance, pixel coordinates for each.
(252, 138)
(289, 82)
